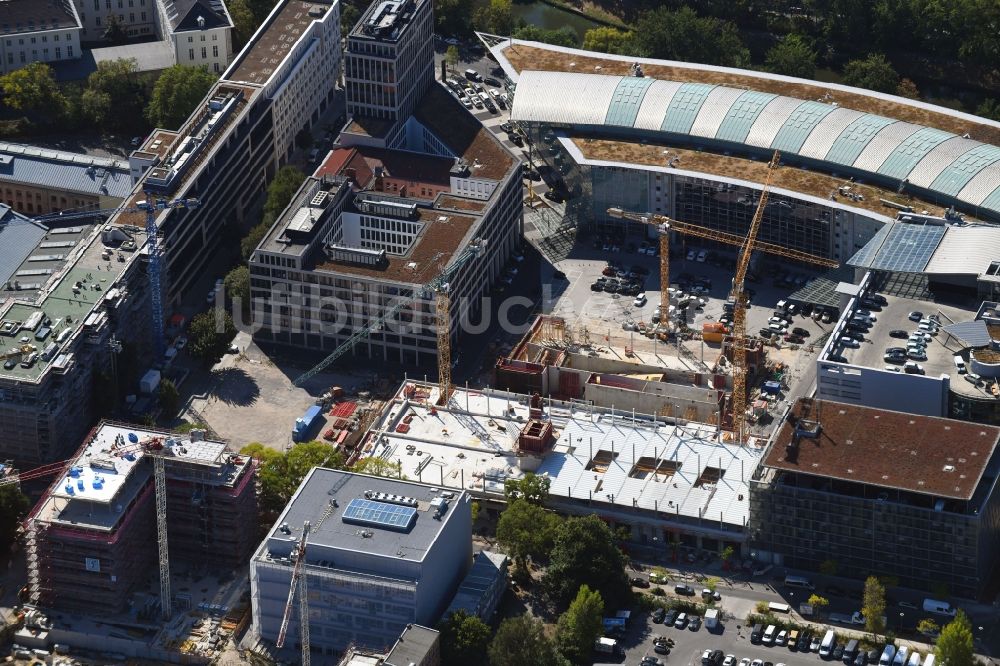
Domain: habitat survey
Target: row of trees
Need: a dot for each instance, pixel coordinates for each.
(115, 97)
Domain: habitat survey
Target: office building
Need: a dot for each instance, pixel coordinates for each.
(36, 181)
(87, 283)
(381, 554)
(373, 226)
(46, 31)
(882, 493)
(389, 64)
(91, 538)
(201, 32)
(692, 142)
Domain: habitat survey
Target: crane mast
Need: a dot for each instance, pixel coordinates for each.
(748, 245)
(298, 584)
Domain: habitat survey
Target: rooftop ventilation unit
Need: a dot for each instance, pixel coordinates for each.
(388, 498)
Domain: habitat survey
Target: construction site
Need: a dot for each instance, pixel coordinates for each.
(137, 525)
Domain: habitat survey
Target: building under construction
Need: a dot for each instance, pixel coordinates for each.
(91, 539)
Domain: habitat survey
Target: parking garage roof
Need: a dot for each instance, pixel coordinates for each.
(892, 149)
(930, 247)
(920, 454)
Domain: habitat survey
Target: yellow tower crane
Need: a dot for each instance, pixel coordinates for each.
(748, 245)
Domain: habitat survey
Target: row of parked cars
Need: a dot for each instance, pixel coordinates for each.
(850, 653)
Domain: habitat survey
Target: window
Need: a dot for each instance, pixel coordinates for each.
(215, 51)
(120, 3)
(45, 38)
(190, 39)
(131, 3)
(204, 53)
(56, 38)
(22, 56)
(215, 66)
(58, 53)
(107, 4)
(10, 58)
(131, 17)
(33, 40)
(190, 54)
(143, 16)
(203, 38)
(97, 21)
(97, 5)
(215, 38)
(69, 51)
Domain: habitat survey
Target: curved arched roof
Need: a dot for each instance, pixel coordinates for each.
(938, 161)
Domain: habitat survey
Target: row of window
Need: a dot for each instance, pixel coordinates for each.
(44, 38)
(23, 56)
(107, 4)
(215, 38)
(204, 54)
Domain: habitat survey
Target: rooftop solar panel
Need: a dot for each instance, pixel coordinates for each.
(908, 248)
(380, 514)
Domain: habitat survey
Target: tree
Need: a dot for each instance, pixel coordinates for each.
(168, 396)
(464, 639)
(114, 96)
(818, 603)
(990, 108)
(497, 18)
(585, 551)
(453, 17)
(683, 35)
(955, 643)
(526, 530)
(210, 334)
(874, 72)
(31, 88)
(280, 191)
(521, 640)
(245, 23)
(377, 466)
(176, 95)
(711, 583)
(580, 625)
(281, 473)
(564, 36)
(828, 567)
(115, 33)
(908, 89)
(13, 507)
(349, 15)
(452, 57)
(792, 56)
(928, 627)
(873, 606)
(95, 105)
(608, 40)
(533, 488)
(727, 554)
(237, 285)
(253, 239)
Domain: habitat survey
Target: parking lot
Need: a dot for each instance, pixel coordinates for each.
(732, 638)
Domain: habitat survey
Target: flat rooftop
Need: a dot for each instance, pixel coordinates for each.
(442, 113)
(793, 179)
(674, 469)
(941, 349)
(385, 20)
(106, 473)
(365, 164)
(921, 454)
(325, 496)
(274, 40)
(64, 171)
(536, 56)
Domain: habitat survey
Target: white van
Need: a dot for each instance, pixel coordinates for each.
(959, 364)
(939, 607)
(887, 654)
(799, 581)
(769, 634)
(901, 654)
(929, 660)
(826, 647)
(914, 659)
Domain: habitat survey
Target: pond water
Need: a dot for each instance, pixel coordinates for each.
(551, 18)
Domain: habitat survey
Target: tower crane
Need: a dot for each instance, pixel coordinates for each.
(440, 286)
(298, 584)
(738, 296)
(149, 207)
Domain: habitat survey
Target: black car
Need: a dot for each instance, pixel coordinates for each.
(515, 139)
(597, 286)
(493, 82)
(838, 652)
(658, 615)
(640, 582)
(670, 617)
(553, 195)
(803, 644)
(898, 333)
(798, 330)
(684, 589)
(837, 358)
(861, 659)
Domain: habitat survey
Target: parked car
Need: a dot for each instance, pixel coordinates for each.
(640, 582)
(897, 333)
(916, 315)
(658, 616)
(684, 589)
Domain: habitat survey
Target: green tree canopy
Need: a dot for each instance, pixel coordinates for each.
(526, 529)
(955, 643)
(609, 40)
(13, 507)
(564, 36)
(31, 88)
(585, 552)
(377, 466)
(453, 17)
(874, 73)
(244, 22)
(533, 488)
(281, 473)
(464, 639)
(168, 396)
(683, 35)
(176, 94)
(873, 605)
(280, 191)
(580, 625)
(989, 108)
(237, 285)
(115, 32)
(115, 96)
(521, 640)
(210, 334)
(792, 56)
(496, 18)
